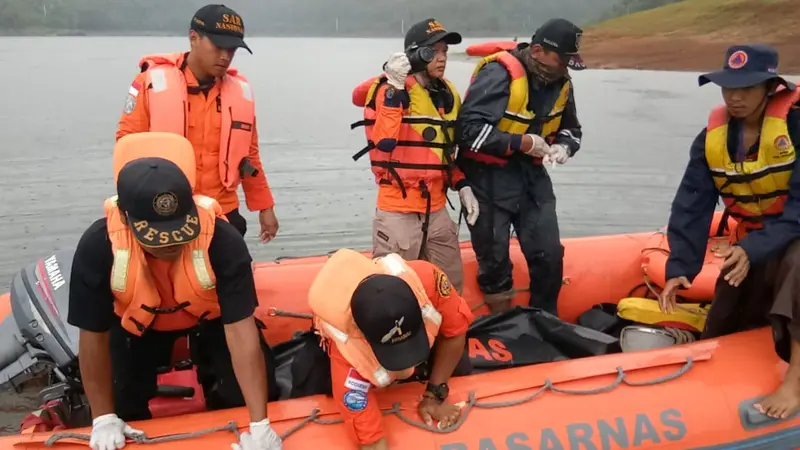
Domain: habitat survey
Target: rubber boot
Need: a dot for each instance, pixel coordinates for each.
(499, 302)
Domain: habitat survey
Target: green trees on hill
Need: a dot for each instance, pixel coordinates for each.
(303, 17)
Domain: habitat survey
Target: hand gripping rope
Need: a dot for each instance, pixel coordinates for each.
(472, 402)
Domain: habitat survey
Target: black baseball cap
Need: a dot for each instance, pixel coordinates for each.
(222, 25)
(157, 199)
(562, 37)
(387, 312)
(429, 32)
(745, 66)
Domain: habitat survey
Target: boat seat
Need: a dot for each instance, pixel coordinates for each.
(179, 393)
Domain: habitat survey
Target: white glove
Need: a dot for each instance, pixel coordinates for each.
(540, 148)
(260, 437)
(109, 433)
(397, 69)
(558, 154)
(470, 203)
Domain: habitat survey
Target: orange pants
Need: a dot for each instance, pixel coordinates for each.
(401, 233)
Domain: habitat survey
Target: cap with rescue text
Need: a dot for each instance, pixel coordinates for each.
(387, 312)
(157, 199)
(429, 32)
(562, 37)
(745, 66)
(222, 25)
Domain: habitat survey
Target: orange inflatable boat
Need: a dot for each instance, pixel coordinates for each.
(488, 48)
(691, 396)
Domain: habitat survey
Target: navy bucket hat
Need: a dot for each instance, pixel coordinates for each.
(745, 66)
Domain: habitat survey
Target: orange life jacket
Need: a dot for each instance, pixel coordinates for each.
(425, 148)
(329, 298)
(136, 298)
(753, 191)
(168, 101)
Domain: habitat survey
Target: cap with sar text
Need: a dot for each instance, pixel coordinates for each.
(157, 199)
(222, 25)
(746, 66)
(563, 37)
(387, 312)
(428, 32)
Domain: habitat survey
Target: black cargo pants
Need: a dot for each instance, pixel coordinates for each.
(519, 194)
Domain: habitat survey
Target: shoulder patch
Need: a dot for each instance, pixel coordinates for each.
(355, 401)
(443, 286)
(355, 382)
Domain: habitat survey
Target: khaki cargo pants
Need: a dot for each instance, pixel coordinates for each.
(401, 233)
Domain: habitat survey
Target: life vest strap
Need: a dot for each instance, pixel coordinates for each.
(158, 310)
(537, 120)
(370, 145)
(742, 178)
(408, 120)
(412, 166)
(754, 198)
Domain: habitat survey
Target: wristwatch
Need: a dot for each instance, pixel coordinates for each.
(439, 391)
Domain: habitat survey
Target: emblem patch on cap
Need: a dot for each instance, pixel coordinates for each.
(578, 37)
(737, 60)
(443, 286)
(396, 334)
(165, 204)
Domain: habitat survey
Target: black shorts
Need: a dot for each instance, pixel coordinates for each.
(135, 362)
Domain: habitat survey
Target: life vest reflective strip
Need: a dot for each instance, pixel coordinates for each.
(518, 118)
(329, 298)
(754, 190)
(137, 300)
(425, 150)
(169, 111)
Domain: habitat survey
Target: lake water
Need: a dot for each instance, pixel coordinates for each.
(63, 97)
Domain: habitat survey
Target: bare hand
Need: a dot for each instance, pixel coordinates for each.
(445, 413)
(269, 225)
(737, 261)
(668, 298)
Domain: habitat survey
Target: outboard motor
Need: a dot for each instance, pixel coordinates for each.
(43, 340)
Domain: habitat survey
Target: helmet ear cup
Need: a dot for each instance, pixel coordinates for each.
(419, 57)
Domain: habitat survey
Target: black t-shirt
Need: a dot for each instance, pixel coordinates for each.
(91, 302)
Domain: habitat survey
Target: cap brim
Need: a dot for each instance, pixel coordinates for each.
(449, 38)
(170, 232)
(740, 79)
(228, 42)
(404, 355)
(574, 62)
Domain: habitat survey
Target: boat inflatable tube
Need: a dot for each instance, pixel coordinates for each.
(489, 48)
(655, 254)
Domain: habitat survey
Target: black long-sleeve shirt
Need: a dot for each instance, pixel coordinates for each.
(695, 202)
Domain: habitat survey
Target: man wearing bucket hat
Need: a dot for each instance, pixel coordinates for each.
(747, 156)
(408, 121)
(197, 94)
(519, 113)
(162, 264)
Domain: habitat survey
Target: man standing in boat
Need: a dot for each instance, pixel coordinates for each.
(518, 114)
(199, 96)
(746, 155)
(408, 119)
(160, 265)
(380, 319)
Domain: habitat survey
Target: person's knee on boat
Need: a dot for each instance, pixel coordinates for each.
(158, 239)
(755, 132)
(518, 115)
(410, 109)
(399, 316)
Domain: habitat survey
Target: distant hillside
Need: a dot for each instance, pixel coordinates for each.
(294, 17)
(693, 35)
